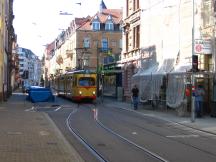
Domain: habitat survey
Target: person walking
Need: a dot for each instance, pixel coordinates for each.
(135, 95)
(199, 98)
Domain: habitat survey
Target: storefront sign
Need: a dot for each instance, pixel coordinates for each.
(202, 46)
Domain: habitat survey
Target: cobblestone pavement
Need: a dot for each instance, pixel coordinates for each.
(27, 136)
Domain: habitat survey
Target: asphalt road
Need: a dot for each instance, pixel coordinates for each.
(121, 135)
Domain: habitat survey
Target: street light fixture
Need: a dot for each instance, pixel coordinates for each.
(64, 13)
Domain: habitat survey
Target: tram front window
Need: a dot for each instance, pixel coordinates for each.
(84, 81)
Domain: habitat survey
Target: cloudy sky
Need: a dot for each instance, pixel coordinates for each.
(38, 22)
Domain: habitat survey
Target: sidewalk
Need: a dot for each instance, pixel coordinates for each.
(206, 124)
(27, 136)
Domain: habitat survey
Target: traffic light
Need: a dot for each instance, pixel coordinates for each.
(195, 63)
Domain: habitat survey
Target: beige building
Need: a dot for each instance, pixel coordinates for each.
(7, 38)
(2, 29)
(89, 43)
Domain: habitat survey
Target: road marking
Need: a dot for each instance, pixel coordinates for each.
(14, 133)
(58, 108)
(31, 109)
(44, 133)
(183, 136)
(134, 133)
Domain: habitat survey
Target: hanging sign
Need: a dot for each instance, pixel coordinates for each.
(202, 46)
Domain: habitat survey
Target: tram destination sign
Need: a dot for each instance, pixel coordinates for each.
(202, 46)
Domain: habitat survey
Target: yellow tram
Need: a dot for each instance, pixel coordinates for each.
(76, 85)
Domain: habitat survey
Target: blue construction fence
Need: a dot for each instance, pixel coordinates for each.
(40, 94)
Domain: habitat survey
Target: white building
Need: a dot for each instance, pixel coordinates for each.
(157, 49)
(29, 67)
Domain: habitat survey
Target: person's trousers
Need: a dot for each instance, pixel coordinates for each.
(135, 102)
(198, 108)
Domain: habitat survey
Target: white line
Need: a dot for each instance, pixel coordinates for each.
(183, 136)
(31, 109)
(58, 108)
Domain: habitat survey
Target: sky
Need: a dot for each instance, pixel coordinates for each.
(38, 22)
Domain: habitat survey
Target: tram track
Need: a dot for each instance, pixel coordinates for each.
(169, 137)
(92, 145)
(95, 153)
(82, 140)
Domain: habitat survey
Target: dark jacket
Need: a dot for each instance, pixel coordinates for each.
(135, 92)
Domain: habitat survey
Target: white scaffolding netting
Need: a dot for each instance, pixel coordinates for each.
(176, 84)
(152, 79)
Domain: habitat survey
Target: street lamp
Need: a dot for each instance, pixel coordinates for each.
(192, 76)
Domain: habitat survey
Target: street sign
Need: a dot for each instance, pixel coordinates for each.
(202, 46)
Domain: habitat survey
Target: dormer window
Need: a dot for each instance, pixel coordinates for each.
(109, 26)
(95, 25)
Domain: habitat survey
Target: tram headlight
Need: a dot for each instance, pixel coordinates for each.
(93, 92)
(80, 92)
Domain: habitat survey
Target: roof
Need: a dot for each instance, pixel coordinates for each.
(50, 47)
(116, 15)
(102, 5)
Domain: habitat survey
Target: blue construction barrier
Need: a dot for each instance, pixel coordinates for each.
(40, 94)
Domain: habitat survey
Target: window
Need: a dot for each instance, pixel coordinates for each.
(136, 37)
(126, 41)
(113, 43)
(127, 8)
(109, 26)
(95, 42)
(120, 43)
(206, 13)
(104, 44)
(86, 43)
(96, 26)
(86, 61)
(135, 5)
(86, 81)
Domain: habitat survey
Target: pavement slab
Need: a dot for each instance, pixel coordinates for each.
(27, 136)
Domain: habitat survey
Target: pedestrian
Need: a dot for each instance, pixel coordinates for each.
(135, 96)
(199, 99)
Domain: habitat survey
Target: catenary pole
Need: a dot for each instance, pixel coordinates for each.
(192, 76)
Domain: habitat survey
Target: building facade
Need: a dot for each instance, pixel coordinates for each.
(131, 43)
(29, 68)
(157, 49)
(7, 38)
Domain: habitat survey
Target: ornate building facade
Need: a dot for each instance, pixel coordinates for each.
(7, 40)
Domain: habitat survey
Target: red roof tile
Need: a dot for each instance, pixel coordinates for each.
(103, 16)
